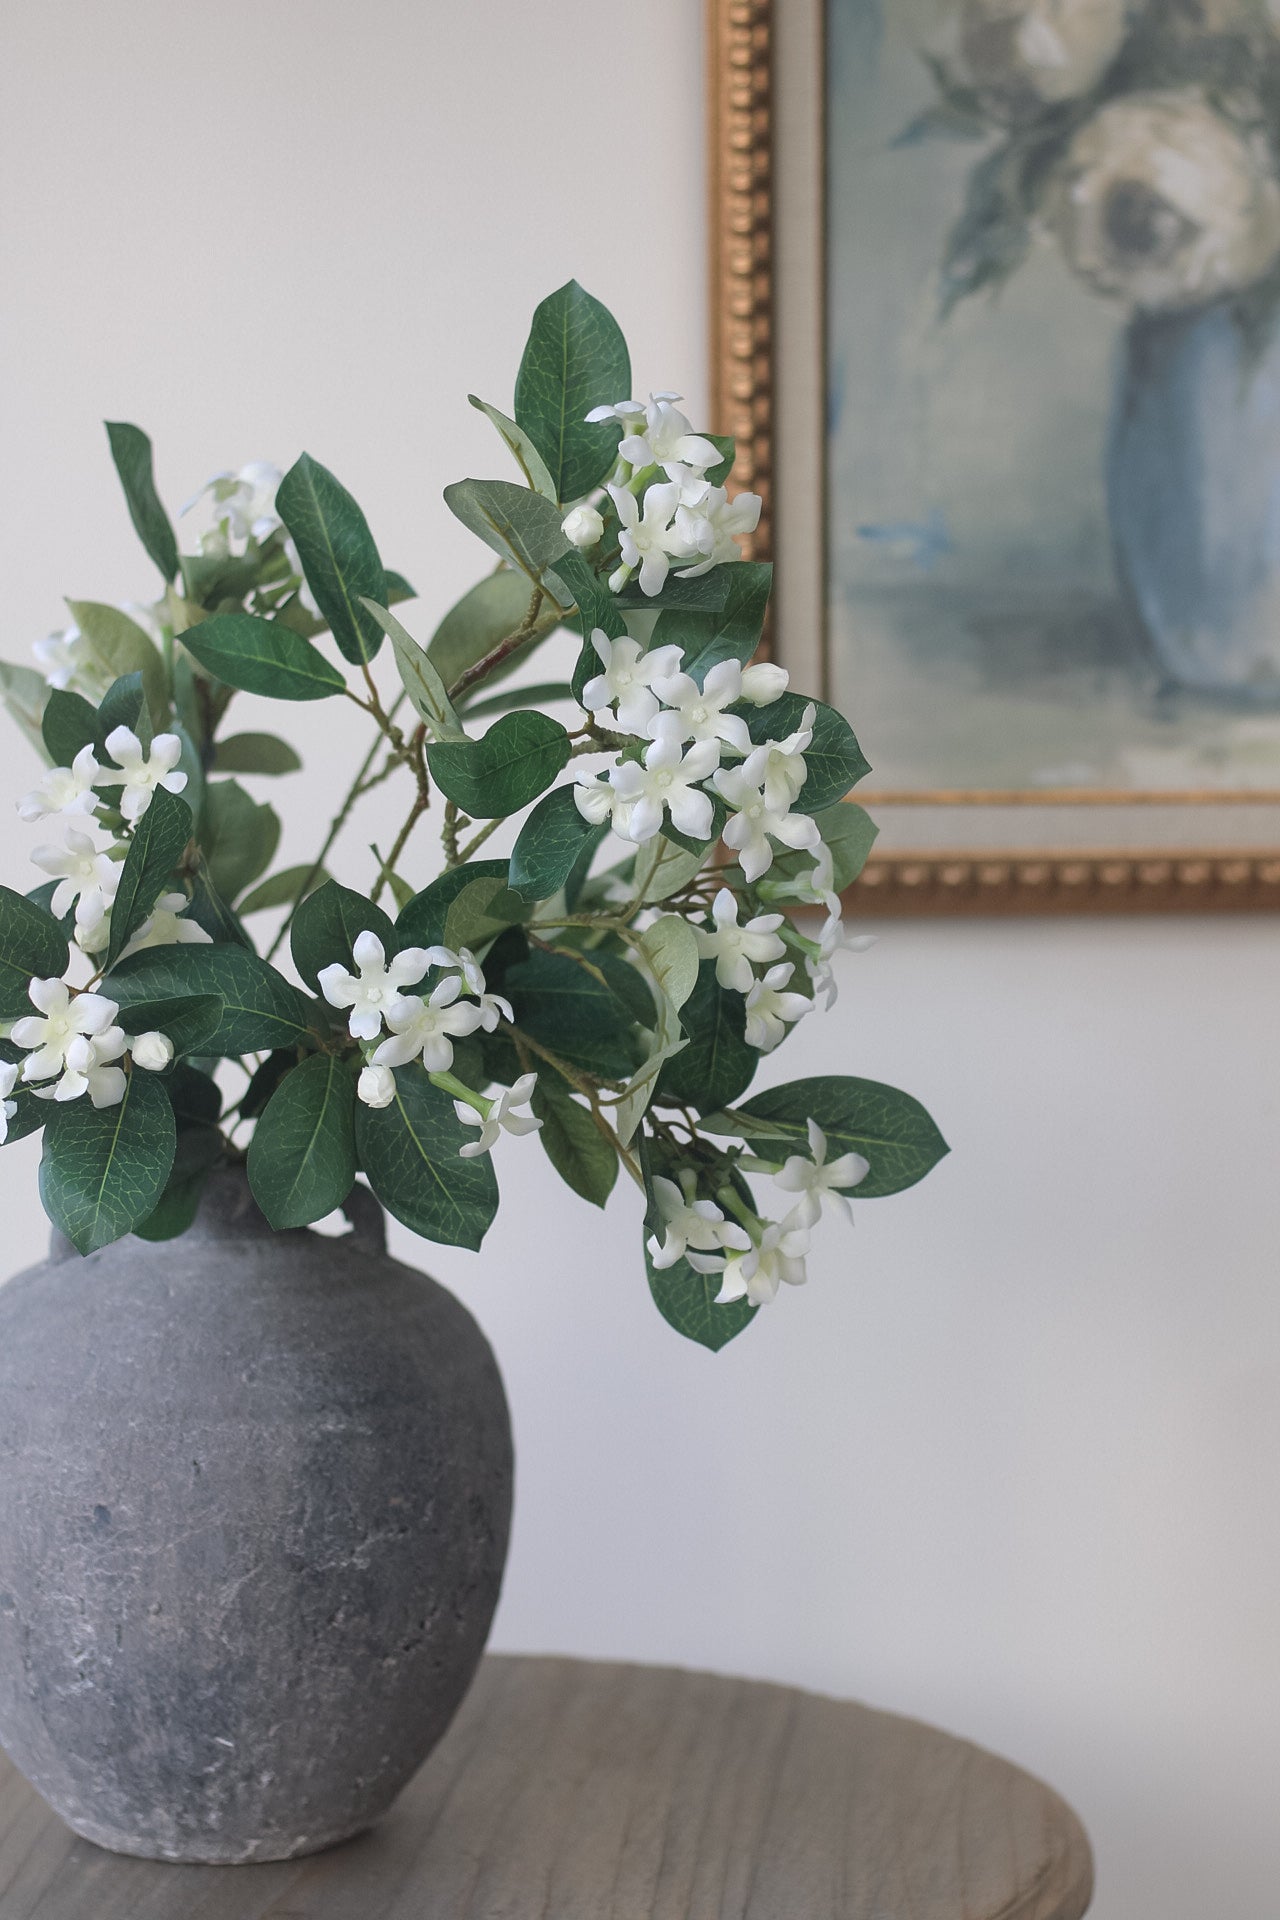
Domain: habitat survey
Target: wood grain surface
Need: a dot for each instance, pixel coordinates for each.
(568, 1790)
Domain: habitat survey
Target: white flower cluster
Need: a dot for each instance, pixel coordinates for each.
(680, 519)
(244, 508)
(74, 1047)
(68, 663)
(423, 1028)
(755, 1255)
(690, 729)
(88, 875)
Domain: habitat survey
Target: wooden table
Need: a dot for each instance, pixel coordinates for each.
(568, 1790)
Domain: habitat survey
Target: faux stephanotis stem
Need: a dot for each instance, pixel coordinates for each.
(669, 911)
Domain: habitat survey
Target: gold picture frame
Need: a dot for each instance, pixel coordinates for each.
(1041, 851)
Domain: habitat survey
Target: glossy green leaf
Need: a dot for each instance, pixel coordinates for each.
(573, 1143)
(283, 888)
(888, 1128)
(670, 947)
(124, 704)
(117, 645)
(483, 910)
(209, 910)
(575, 582)
(238, 835)
(338, 554)
(505, 769)
(731, 632)
(560, 1001)
(717, 1066)
(527, 458)
(158, 842)
(198, 1151)
(24, 692)
(701, 593)
(398, 588)
(261, 1010)
(32, 946)
(410, 1152)
(520, 526)
(302, 1158)
(255, 753)
(327, 925)
(422, 922)
(68, 724)
(421, 679)
(190, 1020)
(834, 759)
(262, 656)
(575, 359)
(104, 1169)
(131, 451)
(549, 845)
(194, 1096)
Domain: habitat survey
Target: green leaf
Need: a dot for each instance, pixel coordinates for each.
(283, 888)
(159, 839)
(209, 910)
(69, 723)
(527, 458)
(887, 1127)
(338, 554)
(732, 632)
(703, 593)
(302, 1158)
(685, 1299)
(117, 646)
(520, 526)
(410, 1152)
(190, 1020)
(104, 1169)
(422, 922)
(563, 1005)
(717, 475)
(574, 580)
(834, 759)
(255, 753)
(124, 704)
(483, 910)
(238, 835)
(32, 946)
(992, 236)
(262, 656)
(24, 692)
(674, 962)
(549, 845)
(662, 868)
(213, 579)
(198, 1151)
(574, 1144)
(327, 925)
(505, 769)
(849, 831)
(131, 451)
(398, 588)
(260, 1009)
(194, 1096)
(575, 359)
(670, 947)
(489, 613)
(422, 682)
(717, 1066)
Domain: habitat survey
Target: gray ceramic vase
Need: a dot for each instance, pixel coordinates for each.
(255, 1492)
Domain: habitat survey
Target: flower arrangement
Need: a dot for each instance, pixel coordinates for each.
(1142, 136)
(668, 911)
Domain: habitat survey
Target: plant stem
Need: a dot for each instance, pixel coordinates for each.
(477, 840)
(504, 649)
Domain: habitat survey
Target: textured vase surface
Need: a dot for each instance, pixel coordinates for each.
(1193, 481)
(255, 1492)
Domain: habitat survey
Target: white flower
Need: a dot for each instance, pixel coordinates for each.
(583, 528)
(666, 782)
(376, 1086)
(627, 680)
(712, 527)
(764, 683)
(66, 661)
(702, 708)
(690, 1225)
(645, 541)
(8, 1080)
(667, 438)
(166, 926)
(153, 1051)
(597, 802)
(754, 821)
(492, 1005)
(778, 767)
(770, 1009)
(734, 948)
(244, 504)
(428, 1027)
(815, 888)
(1161, 202)
(625, 411)
(141, 773)
(64, 789)
(85, 877)
(502, 1114)
(760, 1271)
(64, 1018)
(378, 989)
(90, 1068)
(817, 1179)
(1022, 55)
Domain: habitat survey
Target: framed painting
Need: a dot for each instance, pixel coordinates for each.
(995, 309)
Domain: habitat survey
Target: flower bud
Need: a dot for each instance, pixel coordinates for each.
(377, 1086)
(153, 1051)
(583, 526)
(764, 683)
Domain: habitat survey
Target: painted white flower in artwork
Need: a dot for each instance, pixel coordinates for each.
(817, 1179)
(1020, 56)
(772, 1008)
(87, 878)
(738, 949)
(1164, 203)
(501, 1117)
(777, 1258)
(691, 1226)
(703, 709)
(9, 1072)
(59, 1019)
(646, 538)
(427, 1029)
(139, 772)
(627, 679)
(666, 782)
(377, 990)
(753, 824)
(64, 789)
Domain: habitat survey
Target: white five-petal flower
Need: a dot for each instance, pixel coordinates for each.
(377, 990)
(244, 503)
(428, 1028)
(492, 1005)
(64, 789)
(645, 539)
(141, 773)
(712, 527)
(627, 680)
(666, 782)
(734, 948)
(817, 1179)
(691, 1226)
(771, 1009)
(702, 708)
(86, 877)
(760, 1271)
(778, 767)
(90, 1067)
(167, 925)
(501, 1116)
(754, 822)
(60, 1019)
(598, 802)
(667, 437)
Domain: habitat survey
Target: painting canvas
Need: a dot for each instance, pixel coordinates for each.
(1051, 274)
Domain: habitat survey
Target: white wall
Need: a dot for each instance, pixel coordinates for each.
(1011, 1462)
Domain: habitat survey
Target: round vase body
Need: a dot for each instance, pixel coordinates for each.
(1193, 485)
(255, 1491)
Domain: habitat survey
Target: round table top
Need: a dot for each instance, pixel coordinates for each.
(571, 1790)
